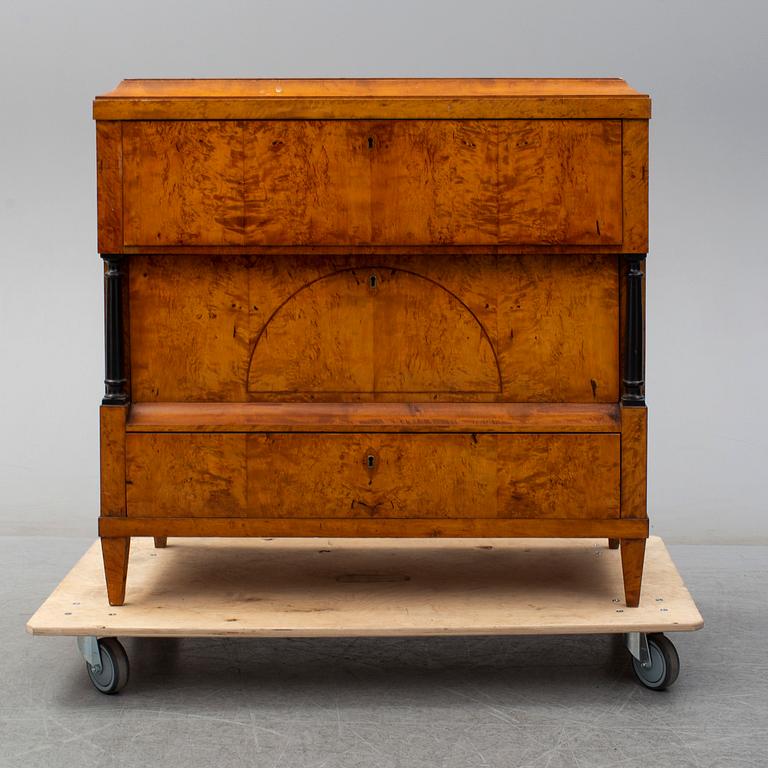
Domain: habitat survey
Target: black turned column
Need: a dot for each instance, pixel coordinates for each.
(114, 383)
(634, 352)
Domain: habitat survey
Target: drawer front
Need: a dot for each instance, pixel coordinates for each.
(397, 182)
(529, 328)
(373, 475)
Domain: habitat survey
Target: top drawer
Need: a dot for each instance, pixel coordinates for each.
(372, 183)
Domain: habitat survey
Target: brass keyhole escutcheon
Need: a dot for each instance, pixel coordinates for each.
(370, 461)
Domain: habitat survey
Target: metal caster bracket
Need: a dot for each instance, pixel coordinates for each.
(88, 645)
(637, 645)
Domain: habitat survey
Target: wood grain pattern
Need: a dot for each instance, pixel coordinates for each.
(558, 476)
(373, 417)
(189, 328)
(632, 562)
(384, 87)
(307, 182)
(383, 183)
(635, 174)
(634, 446)
(412, 476)
(186, 476)
(560, 182)
(434, 182)
(471, 328)
(374, 308)
(115, 551)
(374, 98)
(558, 328)
(379, 528)
(183, 183)
(455, 587)
(374, 475)
(112, 451)
(109, 186)
(374, 330)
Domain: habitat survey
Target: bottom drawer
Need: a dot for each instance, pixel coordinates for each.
(301, 475)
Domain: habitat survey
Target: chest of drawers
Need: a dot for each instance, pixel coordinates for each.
(388, 308)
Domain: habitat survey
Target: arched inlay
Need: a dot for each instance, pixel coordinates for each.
(373, 329)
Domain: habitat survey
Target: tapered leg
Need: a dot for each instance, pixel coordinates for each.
(632, 559)
(614, 543)
(161, 542)
(115, 554)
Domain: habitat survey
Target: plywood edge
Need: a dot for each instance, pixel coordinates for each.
(454, 588)
(373, 417)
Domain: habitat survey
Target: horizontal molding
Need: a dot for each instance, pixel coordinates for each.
(397, 528)
(374, 417)
(369, 108)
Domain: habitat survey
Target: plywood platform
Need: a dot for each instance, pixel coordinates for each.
(349, 587)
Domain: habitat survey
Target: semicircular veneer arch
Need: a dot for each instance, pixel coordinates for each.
(405, 334)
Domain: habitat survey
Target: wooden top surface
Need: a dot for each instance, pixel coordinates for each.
(356, 587)
(460, 98)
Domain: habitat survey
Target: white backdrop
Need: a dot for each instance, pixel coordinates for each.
(704, 64)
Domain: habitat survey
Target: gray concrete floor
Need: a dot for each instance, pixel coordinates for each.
(548, 702)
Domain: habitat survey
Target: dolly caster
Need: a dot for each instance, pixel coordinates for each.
(106, 662)
(654, 659)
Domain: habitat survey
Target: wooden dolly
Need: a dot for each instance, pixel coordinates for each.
(357, 587)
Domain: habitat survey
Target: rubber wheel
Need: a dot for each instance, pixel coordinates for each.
(114, 667)
(664, 667)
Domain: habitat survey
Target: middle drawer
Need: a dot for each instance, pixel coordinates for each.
(373, 475)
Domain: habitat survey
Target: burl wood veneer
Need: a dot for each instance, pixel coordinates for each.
(373, 308)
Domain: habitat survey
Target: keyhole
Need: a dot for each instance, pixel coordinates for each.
(372, 281)
(370, 142)
(371, 461)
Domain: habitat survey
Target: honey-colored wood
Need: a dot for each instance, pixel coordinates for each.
(186, 475)
(374, 475)
(369, 528)
(434, 182)
(558, 476)
(109, 186)
(112, 450)
(389, 98)
(632, 562)
(488, 328)
(377, 88)
(353, 587)
(634, 438)
(306, 182)
(115, 552)
(558, 328)
(375, 250)
(560, 181)
(384, 183)
(183, 183)
(373, 417)
(410, 476)
(635, 174)
(189, 328)
(374, 308)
